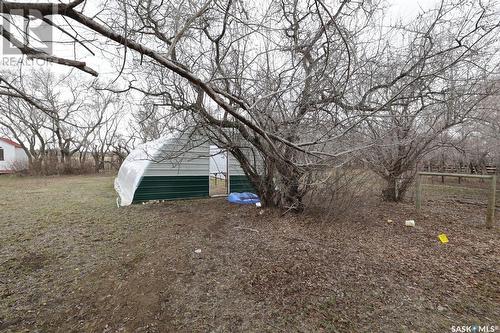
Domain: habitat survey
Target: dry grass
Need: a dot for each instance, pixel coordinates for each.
(71, 261)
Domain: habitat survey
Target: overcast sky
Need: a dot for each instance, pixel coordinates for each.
(108, 66)
(409, 8)
(398, 9)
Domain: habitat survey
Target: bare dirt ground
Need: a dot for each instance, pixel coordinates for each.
(71, 261)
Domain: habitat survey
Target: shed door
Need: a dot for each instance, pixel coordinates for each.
(218, 171)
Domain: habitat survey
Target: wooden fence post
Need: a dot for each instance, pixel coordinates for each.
(418, 194)
(490, 213)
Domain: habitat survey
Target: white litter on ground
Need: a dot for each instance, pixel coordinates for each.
(410, 223)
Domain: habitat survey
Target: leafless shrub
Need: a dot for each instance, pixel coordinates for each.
(51, 165)
(19, 167)
(335, 193)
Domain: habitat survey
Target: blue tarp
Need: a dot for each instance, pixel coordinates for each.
(243, 198)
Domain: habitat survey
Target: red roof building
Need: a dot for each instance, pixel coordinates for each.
(12, 156)
(10, 142)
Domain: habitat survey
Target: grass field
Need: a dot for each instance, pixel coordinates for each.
(71, 261)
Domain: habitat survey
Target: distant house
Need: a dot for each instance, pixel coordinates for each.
(12, 156)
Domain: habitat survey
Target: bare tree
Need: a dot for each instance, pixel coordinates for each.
(25, 124)
(283, 86)
(475, 143)
(105, 138)
(77, 116)
(413, 128)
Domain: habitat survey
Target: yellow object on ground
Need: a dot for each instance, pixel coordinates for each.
(443, 238)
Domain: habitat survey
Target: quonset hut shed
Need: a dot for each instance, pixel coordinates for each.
(172, 168)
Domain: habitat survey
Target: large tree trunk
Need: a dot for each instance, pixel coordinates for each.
(98, 162)
(278, 190)
(291, 194)
(66, 161)
(288, 197)
(395, 188)
(35, 165)
(276, 183)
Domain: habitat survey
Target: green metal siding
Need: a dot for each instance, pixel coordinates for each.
(239, 183)
(171, 187)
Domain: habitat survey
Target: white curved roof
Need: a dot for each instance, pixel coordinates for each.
(173, 156)
(133, 168)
